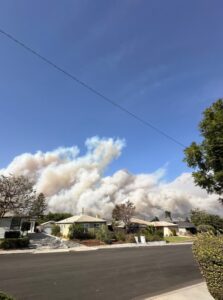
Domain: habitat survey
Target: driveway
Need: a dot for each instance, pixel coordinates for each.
(44, 241)
(131, 273)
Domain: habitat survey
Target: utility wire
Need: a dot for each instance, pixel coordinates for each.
(93, 90)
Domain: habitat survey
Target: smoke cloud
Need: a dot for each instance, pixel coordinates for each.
(72, 181)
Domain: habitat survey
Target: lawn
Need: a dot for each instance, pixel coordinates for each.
(179, 239)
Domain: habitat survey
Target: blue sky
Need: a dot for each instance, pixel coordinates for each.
(161, 60)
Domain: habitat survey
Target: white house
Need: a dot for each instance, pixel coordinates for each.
(168, 228)
(13, 222)
(47, 227)
(185, 228)
(85, 220)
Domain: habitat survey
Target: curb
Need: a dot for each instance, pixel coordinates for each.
(194, 292)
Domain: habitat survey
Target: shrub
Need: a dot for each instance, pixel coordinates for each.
(56, 230)
(151, 230)
(14, 243)
(208, 251)
(174, 232)
(13, 234)
(91, 233)
(104, 235)
(206, 228)
(152, 234)
(77, 231)
(153, 238)
(3, 296)
(120, 236)
(130, 238)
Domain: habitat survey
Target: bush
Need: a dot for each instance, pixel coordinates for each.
(77, 231)
(174, 232)
(56, 230)
(208, 251)
(5, 297)
(120, 236)
(130, 238)
(153, 238)
(152, 234)
(14, 243)
(91, 233)
(104, 235)
(206, 228)
(13, 234)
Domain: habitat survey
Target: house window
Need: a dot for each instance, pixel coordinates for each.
(86, 225)
(15, 223)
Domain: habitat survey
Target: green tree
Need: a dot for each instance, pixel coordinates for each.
(55, 217)
(207, 157)
(39, 206)
(200, 217)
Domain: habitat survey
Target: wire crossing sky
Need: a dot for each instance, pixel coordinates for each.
(93, 90)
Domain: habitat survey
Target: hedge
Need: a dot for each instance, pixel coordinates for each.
(77, 231)
(13, 234)
(3, 296)
(208, 251)
(56, 230)
(14, 243)
(206, 228)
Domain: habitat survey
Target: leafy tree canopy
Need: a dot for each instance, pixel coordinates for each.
(55, 217)
(200, 217)
(39, 206)
(207, 157)
(16, 195)
(123, 212)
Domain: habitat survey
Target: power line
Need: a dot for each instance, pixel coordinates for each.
(93, 90)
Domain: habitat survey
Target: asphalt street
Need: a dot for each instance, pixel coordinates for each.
(130, 273)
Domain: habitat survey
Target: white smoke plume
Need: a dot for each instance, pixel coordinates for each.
(72, 181)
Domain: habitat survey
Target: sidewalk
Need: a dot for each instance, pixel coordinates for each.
(86, 248)
(193, 292)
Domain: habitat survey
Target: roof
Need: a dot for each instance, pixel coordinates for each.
(12, 214)
(184, 224)
(48, 222)
(163, 224)
(121, 224)
(141, 222)
(81, 219)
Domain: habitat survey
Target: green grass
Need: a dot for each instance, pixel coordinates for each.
(179, 239)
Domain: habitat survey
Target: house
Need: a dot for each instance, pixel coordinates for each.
(138, 224)
(185, 228)
(84, 220)
(13, 222)
(135, 225)
(46, 227)
(168, 228)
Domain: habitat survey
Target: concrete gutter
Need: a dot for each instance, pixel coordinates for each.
(193, 292)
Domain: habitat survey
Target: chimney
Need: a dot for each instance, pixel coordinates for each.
(82, 212)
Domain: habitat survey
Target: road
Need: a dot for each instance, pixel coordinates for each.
(130, 273)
